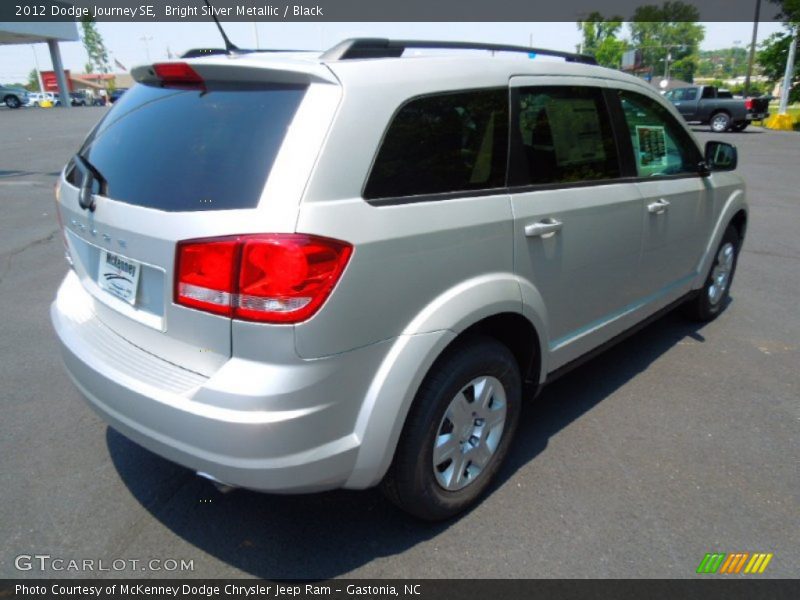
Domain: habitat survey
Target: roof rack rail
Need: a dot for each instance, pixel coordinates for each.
(199, 52)
(386, 48)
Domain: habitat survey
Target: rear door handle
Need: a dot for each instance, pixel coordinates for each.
(658, 208)
(544, 228)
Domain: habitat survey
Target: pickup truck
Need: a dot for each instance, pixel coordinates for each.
(707, 104)
(13, 97)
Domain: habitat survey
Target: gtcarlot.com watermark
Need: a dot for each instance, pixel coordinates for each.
(48, 563)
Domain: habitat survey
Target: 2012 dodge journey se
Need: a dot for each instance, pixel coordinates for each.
(294, 272)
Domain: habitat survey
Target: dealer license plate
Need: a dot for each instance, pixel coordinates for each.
(119, 276)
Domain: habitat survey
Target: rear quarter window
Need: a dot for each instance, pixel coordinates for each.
(191, 149)
(450, 142)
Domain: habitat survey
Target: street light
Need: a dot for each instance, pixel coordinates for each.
(145, 39)
(38, 70)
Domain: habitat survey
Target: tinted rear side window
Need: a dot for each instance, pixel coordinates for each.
(565, 136)
(189, 150)
(450, 142)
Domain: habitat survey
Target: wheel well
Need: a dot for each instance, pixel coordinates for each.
(518, 334)
(739, 221)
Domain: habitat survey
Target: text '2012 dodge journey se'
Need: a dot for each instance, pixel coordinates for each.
(297, 272)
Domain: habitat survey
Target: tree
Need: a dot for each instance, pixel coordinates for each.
(790, 10)
(725, 63)
(670, 30)
(33, 81)
(610, 51)
(600, 39)
(596, 29)
(772, 56)
(95, 48)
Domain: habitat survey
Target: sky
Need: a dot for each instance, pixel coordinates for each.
(140, 43)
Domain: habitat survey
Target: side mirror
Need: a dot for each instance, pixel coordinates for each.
(721, 156)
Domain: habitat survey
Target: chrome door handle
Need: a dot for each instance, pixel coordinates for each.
(544, 228)
(658, 208)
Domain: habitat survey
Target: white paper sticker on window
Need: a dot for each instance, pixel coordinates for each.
(576, 131)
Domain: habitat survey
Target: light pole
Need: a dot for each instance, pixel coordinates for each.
(787, 78)
(667, 58)
(666, 66)
(38, 70)
(145, 39)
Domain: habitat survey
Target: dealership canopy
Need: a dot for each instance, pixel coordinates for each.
(52, 34)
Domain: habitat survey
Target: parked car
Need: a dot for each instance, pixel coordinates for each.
(116, 94)
(79, 98)
(718, 108)
(350, 269)
(13, 97)
(38, 98)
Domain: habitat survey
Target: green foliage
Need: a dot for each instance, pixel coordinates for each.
(670, 29)
(757, 88)
(600, 39)
(33, 81)
(790, 10)
(772, 56)
(726, 63)
(610, 51)
(95, 48)
(596, 29)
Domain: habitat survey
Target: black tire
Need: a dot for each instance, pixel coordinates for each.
(705, 306)
(12, 102)
(410, 482)
(720, 122)
(740, 126)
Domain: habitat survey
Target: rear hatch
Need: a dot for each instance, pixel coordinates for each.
(195, 150)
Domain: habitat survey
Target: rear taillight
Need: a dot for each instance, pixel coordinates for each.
(274, 278)
(177, 74)
(748, 103)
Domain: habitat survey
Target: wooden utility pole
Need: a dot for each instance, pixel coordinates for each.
(752, 51)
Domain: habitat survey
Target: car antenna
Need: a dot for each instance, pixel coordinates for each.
(230, 47)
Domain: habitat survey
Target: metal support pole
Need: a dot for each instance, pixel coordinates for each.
(787, 78)
(61, 77)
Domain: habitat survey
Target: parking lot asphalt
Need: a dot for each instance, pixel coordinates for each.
(682, 440)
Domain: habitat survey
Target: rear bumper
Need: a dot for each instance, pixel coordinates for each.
(291, 431)
(757, 116)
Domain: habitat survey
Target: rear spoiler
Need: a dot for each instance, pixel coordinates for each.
(232, 69)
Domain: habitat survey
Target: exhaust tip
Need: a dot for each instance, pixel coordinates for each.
(222, 488)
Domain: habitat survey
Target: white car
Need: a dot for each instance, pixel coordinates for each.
(36, 98)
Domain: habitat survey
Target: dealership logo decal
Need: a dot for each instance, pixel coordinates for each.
(732, 564)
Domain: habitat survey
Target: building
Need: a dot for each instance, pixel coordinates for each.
(50, 33)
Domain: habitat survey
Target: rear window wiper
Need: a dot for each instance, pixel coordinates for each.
(89, 174)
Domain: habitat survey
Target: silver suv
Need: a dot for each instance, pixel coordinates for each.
(296, 272)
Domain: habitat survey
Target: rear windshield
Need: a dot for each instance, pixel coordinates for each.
(189, 150)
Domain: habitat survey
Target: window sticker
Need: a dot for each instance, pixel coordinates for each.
(576, 131)
(652, 142)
